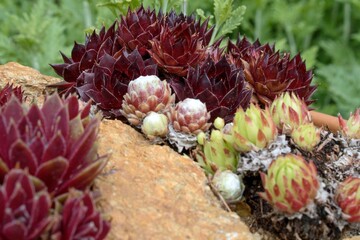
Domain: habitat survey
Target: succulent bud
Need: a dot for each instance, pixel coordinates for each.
(351, 127)
(219, 123)
(155, 125)
(306, 136)
(348, 198)
(217, 154)
(229, 185)
(252, 130)
(190, 116)
(290, 184)
(146, 94)
(288, 112)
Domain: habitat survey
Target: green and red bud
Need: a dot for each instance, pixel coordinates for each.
(288, 112)
(348, 198)
(306, 136)
(290, 184)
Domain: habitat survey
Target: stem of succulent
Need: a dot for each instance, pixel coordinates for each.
(325, 120)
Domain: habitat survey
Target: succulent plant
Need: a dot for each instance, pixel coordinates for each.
(187, 119)
(351, 127)
(56, 143)
(348, 198)
(204, 32)
(216, 154)
(24, 207)
(229, 185)
(217, 84)
(84, 57)
(288, 112)
(108, 81)
(155, 125)
(190, 116)
(7, 91)
(306, 136)
(290, 184)
(252, 129)
(269, 73)
(79, 219)
(178, 47)
(138, 28)
(146, 94)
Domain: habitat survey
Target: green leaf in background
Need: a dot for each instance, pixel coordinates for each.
(233, 21)
(119, 7)
(343, 85)
(226, 19)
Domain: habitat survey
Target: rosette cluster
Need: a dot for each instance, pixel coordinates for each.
(45, 153)
(176, 48)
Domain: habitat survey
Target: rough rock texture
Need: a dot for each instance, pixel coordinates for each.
(31, 80)
(154, 193)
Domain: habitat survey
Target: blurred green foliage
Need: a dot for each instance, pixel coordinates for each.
(325, 32)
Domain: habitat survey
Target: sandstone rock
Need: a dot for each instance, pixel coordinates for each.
(31, 80)
(152, 192)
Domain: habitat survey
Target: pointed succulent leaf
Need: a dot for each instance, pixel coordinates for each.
(52, 172)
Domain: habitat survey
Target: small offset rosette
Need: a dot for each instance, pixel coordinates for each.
(146, 94)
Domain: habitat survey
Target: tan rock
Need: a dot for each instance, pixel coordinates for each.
(154, 193)
(31, 80)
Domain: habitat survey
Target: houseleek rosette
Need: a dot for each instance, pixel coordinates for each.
(289, 111)
(187, 119)
(348, 198)
(146, 94)
(56, 143)
(306, 136)
(24, 206)
(270, 73)
(290, 184)
(351, 127)
(252, 129)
